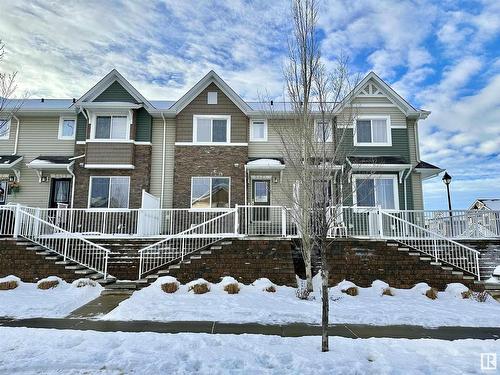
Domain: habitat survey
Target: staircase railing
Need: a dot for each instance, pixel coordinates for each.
(70, 246)
(428, 242)
(193, 239)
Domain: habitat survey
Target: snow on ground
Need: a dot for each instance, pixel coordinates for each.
(252, 304)
(27, 301)
(35, 351)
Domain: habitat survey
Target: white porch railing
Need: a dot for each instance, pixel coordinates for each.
(69, 245)
(125, 222)
(428, 242)
(7, 220)
(193, 239)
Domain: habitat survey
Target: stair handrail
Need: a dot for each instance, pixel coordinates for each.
(30, 233)
(184, 235)
(435, 237)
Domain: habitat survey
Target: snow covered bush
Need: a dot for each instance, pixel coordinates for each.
(270, 289)
(431, 293)
(232, 288)
(81, 283)
(199, 286)
(48, 283)
(170, 287)
(476, 296)
(303, 293)
(265, 285)
(351, 291)
(388, 292)
(9, 282)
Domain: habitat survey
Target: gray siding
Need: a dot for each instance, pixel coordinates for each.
(224, 106)
(109, 153)
(143, 122)
(37, 136)
(115, 93)
(156, 160)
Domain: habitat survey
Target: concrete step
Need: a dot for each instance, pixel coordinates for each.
(44, 252)
(152, 277)
(107, 292)
(459, 273)
(84, 271)
(446, 268)
(163, 272)
(403, 249)
(122, 285)
(435, 263)
(215, 247)
(65, 262)
(414, 254)
(107, 281)
(34, 248)
(205, 252)
(425, 258)
(468, 277)
(74, 267)
(392, 244)
(195, 256)
(226, 243)
(54, 257)
(174, 266)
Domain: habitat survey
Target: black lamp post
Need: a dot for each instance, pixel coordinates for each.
(447, 182)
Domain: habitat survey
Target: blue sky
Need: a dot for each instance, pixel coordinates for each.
(442, 56)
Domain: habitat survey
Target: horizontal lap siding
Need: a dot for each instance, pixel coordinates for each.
(38, 136)
(156, 160)
(110, 153)
(115, 93)
(224, 106)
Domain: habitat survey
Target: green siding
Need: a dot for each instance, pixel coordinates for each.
(115, 93)
(400, 146)
(81, 128)
(144, 126)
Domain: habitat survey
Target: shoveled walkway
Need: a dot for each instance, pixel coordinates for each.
(285, 330)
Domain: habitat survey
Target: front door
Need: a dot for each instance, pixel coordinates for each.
(261, 197)
(60, 191)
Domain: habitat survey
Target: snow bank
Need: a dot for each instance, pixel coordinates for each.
(10, 278)
(27, 301)
(76, 352)
(251, 304)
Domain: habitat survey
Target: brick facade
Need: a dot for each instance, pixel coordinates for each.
(206, 161)
(363, 262)
(27, 265)
(139, 177)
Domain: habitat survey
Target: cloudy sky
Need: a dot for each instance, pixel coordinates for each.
(442, 56)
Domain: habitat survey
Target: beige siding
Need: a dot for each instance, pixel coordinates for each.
(412, 141)
(38, 136)
(156, 160)
(418, 199)
(273, 147)
(372, 100)
(109, 153)
(7, 145)
(224, 106)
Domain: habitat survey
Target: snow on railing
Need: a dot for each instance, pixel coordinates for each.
(176, 247)
(70, 246)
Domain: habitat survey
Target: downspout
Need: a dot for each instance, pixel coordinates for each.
(246, 187)
(70, 171)
(163, 160)
(17, 134)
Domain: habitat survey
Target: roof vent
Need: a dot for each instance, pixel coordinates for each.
(74, 100)
(42, 100)
(272, 102)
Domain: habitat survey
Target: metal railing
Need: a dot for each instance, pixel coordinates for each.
(70, 246)
(125, 222)
(428, 242)
(7, 220)
(176, 247)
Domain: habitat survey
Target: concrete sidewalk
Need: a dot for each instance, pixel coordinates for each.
(285, 330)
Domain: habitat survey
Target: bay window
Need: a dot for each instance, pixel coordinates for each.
(372, 131)
(109, 192)
(373, 191)
(210, 192)
(211, 129)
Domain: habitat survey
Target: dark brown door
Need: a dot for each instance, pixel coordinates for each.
(261, 198)
(60, 191)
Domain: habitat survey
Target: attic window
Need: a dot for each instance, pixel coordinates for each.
(212, 97)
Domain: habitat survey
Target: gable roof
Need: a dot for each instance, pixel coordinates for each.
(393, 96)
(486, 203)
(210, 77)
(108, 80)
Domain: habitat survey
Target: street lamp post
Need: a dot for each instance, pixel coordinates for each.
(447, 181)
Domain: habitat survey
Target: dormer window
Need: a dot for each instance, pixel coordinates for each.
(212, 97)
(211, 129)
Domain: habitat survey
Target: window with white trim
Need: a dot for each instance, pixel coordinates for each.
(212, 97)
(109, 192)
(4, 128)
(373, 131)
(112, 127)
(211, 129)
(210, 192)
(373, 191)
(67, 128)
(258, 130)
(323, 131)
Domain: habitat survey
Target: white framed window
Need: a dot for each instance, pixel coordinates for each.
(212, 97)
(373, 191)
(323, 131)
(209, 129)
(109, 192)
(67, 128)
(111, 126)
(210, 192)
(258, 130)
(372, 131)
(5, 128)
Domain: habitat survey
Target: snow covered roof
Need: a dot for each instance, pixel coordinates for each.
(487, 203)
(50, 162)
(265, 164)
(8, 161)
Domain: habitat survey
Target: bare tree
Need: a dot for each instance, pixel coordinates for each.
(8, 86)
(314, 144)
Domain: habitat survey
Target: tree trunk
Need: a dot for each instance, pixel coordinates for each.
(324, 297)
(309, 284)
